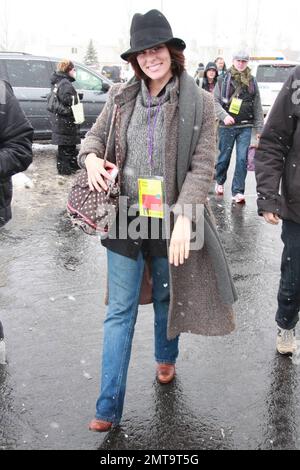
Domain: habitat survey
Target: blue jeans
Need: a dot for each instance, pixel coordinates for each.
(289, 291)
(227, 138)
(124, 282)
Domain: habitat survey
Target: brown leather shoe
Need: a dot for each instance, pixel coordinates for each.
(165, 373)
(96, 425)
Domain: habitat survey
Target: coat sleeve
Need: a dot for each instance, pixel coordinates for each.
(220, 111)
(16, 135)
(198, 180)
(258, 112)
(95, 139)
(274, 146)
(66, 93)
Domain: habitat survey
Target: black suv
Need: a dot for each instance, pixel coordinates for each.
(30, 78)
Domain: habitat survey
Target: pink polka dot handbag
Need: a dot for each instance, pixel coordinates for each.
(91, 211)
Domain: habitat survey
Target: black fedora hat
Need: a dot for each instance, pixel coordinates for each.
(150, 30)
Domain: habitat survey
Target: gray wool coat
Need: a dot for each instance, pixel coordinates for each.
(202, 291)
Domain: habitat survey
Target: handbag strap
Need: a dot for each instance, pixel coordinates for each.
(111, 130)
(73, 99)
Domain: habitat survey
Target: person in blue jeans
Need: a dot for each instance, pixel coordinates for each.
(287, 316)
(277, 168)
(158, 127)
(124, 284)
(239, 110)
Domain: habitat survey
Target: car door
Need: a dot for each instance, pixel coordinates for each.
(30, 80)
(94, 90)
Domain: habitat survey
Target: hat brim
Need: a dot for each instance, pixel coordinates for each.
(244, 59)
(175, 42)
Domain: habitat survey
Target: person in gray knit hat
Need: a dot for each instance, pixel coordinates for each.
(158, 132)
(239, 110)
(241, 55)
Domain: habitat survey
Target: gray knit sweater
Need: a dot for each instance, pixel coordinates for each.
(138, 159)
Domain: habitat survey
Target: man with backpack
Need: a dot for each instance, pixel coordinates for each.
(239, 110)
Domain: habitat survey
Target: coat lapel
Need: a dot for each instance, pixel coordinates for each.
(171, 129)
(125, 101)
(190, 122)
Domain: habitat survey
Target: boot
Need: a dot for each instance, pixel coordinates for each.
(64, 168)
(165, 373)
(74, 165)
(286, 341)
(97, 425)
(73, 162)
(63, 161)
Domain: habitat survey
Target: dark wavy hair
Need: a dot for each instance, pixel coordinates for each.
(177, 63)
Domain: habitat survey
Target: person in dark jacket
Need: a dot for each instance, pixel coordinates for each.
(210, 77)
(16, 136)
(277, 164)
(65, 133)
(239, 110)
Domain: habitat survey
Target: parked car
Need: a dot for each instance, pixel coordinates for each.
(271, 75)
(30, 77)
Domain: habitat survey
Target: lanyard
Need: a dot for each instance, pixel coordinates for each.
(151, 129)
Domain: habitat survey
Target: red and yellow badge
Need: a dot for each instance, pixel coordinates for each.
(151, 200)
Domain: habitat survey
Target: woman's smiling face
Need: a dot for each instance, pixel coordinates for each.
(156, 62)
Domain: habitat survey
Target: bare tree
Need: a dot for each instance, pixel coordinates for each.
(91, 57)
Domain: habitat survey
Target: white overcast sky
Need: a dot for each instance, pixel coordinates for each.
(106, 21)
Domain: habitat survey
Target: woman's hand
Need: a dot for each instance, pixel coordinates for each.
(229, 121)
(97, 174)
(271, 218)
(180, 241)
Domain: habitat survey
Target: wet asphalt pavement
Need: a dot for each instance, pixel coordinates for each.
(230, 393)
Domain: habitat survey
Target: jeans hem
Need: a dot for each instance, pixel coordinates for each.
(164, 361)
(289, 328)
(108, 420)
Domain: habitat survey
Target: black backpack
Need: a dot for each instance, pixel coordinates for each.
(54, 105)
